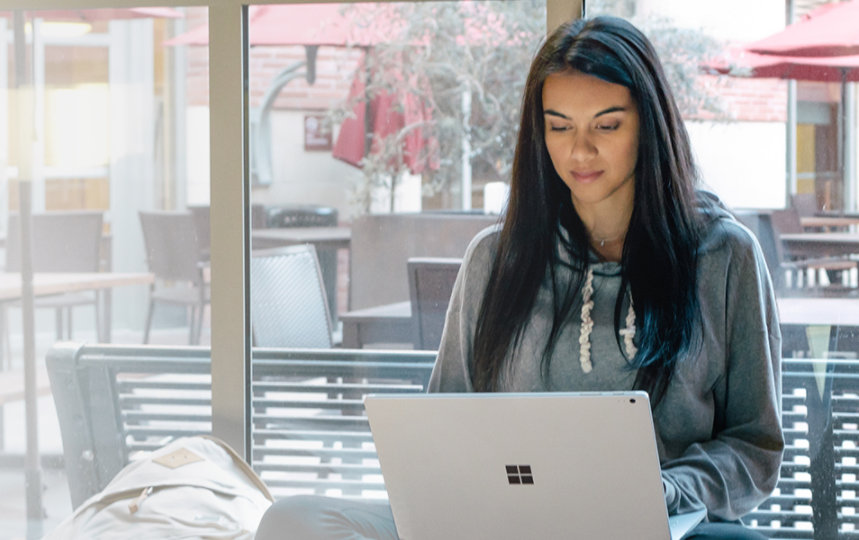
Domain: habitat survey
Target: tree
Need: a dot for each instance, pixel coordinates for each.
(466, 63)
(681, 50)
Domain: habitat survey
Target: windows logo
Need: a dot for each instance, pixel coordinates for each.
(519, 474)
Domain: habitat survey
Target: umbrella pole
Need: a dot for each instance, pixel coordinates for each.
(23, 86)
(848, 191)
(790, 154)
(465, 170)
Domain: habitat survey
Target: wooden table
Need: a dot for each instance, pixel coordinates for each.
(834, 213)
(828, 222)
(46, 284)
(392, 323)
(388, 324)
(814, 245)
(321, 237)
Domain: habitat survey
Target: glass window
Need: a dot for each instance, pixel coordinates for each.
(736, 117)
(381, 138)
(103, 127)
(380, 141)
(775, 138)
(357, 131)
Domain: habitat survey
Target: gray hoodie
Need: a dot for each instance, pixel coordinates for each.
(718, 425)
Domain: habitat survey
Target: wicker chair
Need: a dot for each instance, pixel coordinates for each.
(430, 286)
(787, 274)
(68, 241)
(173, 255)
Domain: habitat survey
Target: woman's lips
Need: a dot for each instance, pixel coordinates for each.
(585, 176)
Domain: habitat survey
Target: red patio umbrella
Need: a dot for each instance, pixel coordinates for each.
(822, 46)
(830, 30)
(741, 62)
(385, 115)
(312, 26)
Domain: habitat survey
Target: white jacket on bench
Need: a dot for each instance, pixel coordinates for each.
(194, 487)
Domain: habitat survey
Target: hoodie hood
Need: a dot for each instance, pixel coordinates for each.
(714, 215)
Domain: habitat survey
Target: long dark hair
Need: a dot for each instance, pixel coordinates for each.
(659, 260)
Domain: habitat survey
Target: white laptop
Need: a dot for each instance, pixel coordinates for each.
(522, 466)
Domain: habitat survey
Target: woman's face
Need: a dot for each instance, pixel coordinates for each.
(592, 138)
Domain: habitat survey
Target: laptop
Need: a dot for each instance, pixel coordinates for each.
(520, 466)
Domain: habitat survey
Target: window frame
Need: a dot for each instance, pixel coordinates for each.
(230, 200)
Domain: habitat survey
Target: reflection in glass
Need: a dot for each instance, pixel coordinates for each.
(375, 131)
(772, 140)
(96, 113)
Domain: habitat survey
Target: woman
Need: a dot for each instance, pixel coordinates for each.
(611, 272)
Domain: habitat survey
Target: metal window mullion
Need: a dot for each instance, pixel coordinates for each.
(851, 196)
(560, 11)
(97, 4)
(230, 226)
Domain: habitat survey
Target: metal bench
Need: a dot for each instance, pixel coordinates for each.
(311, 436)
(816, 495)
(309, 431)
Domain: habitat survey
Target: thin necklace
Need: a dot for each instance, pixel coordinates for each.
(610, 240)
(628, 333)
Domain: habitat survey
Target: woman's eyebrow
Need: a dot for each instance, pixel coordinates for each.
(611, 110)
(553, 112)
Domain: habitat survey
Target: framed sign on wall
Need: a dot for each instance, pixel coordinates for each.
(317, 134)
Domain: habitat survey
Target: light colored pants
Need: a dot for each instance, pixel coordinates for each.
(323, 518)
(307, 517)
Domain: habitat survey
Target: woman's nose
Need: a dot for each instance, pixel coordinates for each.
(582, 147)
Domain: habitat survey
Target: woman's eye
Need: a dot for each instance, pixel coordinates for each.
(558, 128)
(608, 127)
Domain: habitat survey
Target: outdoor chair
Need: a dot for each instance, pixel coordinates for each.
(172, 255)
(289, 307)
(308, 215)
(258, 216)
(68, 241)
(759, 225)
(787, 221)
(202, 224)
(430, 286)
(804, 203)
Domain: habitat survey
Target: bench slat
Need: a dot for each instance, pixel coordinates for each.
(310, 434)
